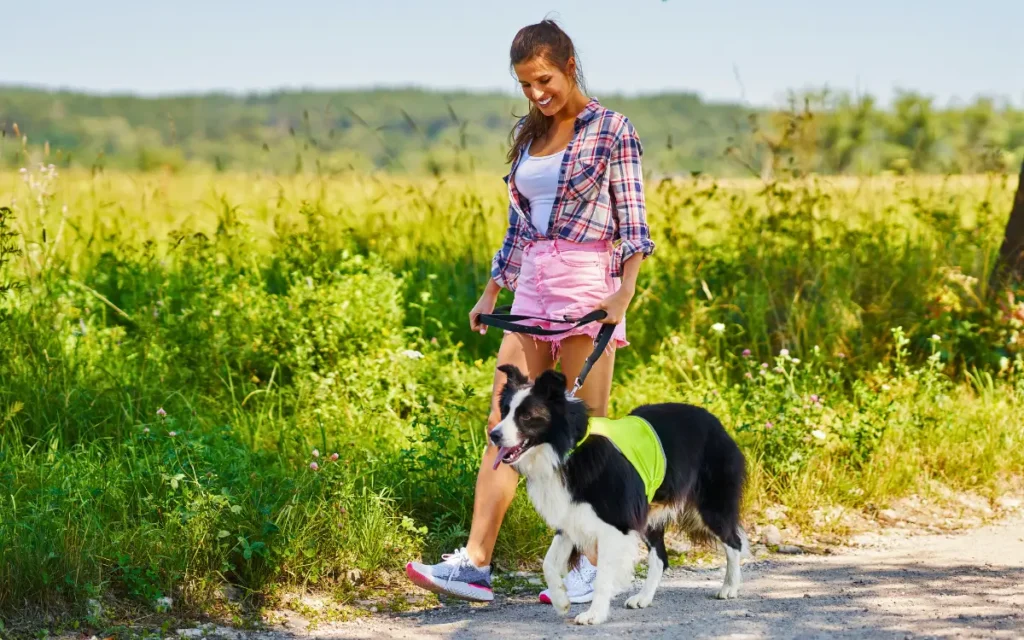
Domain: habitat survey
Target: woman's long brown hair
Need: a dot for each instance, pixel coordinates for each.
(545, 39)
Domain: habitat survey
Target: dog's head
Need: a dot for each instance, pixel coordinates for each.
(535, 415)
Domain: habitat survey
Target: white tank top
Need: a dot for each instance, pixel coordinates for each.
(537, 180)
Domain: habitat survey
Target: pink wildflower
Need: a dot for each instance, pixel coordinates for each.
(334, 457)
(746, 353)
(768, 425)
(814, 398)
(160, 412)
(748, 375)
(316, 453)
(764, 365)
(314, 466)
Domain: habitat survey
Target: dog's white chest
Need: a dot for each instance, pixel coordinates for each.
(551, 499)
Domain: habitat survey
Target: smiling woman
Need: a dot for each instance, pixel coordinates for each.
(577, 233)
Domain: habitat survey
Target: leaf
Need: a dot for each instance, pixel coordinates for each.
(236, 508)
(222, 534)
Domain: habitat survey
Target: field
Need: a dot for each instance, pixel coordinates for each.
(267, 381)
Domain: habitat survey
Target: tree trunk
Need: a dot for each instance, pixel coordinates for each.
(1009, 268)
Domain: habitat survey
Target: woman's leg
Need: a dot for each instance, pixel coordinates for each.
(495, 488)
(598, 386)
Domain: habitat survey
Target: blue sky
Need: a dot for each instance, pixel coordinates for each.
(751, 50)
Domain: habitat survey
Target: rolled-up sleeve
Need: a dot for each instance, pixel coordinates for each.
(508, 260)
(627, 193)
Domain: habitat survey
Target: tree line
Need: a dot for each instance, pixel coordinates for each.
(418, 131)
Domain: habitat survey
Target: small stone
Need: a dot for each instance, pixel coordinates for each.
(789, 549)
(759, 549)
(771, 535)
(94, 608)
(888, 515)
(354, 576)
(1007, 503)
(373, 609)
(537, 582)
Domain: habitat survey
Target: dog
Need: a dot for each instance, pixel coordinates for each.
(594, 498)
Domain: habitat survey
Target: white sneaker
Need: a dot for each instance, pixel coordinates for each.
(579, 584)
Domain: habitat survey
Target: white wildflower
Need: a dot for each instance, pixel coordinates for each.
(784, 353)
(412, 354)
(718, 327)
(935, 338)
(819, 434)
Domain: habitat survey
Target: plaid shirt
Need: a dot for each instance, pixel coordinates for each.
(600, 196)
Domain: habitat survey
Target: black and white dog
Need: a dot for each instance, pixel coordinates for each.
(595, 499)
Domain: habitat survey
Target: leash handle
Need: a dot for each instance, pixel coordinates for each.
(510, 322)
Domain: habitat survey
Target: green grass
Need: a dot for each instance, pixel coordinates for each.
(180, 346)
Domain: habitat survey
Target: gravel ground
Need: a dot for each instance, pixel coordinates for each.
(896, 585)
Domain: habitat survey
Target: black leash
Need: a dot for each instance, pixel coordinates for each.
(501, 319)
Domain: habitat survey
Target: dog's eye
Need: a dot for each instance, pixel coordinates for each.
(534, 422)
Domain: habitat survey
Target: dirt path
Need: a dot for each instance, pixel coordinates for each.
(957, 585)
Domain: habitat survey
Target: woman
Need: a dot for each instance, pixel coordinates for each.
(575, 188)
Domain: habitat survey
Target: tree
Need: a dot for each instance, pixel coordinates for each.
(1009, 268)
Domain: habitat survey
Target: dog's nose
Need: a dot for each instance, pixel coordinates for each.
(496, 435)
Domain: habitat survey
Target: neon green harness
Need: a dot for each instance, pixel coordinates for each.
(635, 438)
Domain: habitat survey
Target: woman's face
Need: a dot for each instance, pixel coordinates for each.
(544, 84)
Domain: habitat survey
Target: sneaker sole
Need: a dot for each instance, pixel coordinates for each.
(572, 599)
(462, 590)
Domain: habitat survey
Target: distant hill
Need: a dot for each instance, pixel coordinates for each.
(420, 131)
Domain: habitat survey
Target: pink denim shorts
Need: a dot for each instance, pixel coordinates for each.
(561, 278)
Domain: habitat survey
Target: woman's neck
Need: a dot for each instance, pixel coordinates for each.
(573, 106)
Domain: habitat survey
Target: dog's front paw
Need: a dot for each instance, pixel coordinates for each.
(728, 592)
(639, 601)
(590, 616)
(559, 600)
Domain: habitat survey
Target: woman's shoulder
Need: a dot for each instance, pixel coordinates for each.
(611, 121)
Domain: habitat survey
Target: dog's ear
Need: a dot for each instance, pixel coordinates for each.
(515, 376)
(550, 385)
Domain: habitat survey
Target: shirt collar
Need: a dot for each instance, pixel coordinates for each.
(588, 113)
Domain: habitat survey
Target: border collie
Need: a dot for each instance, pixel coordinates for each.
(595, 500)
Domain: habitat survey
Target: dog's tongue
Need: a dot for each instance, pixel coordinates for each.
(501, 454)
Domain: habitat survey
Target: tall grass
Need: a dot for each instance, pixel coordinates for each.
(187, 353)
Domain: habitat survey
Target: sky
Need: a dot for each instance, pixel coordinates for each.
(749, 51)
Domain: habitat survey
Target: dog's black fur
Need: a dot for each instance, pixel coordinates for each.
(705, 469)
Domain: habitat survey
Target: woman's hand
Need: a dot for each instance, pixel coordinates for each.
(615, 305)
(484, 305)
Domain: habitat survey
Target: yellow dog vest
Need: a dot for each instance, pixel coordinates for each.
(635, 438)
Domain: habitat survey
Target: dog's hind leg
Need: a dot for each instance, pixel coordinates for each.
(555, 568)
(615, 556)
(726, 527)
(657, 562)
